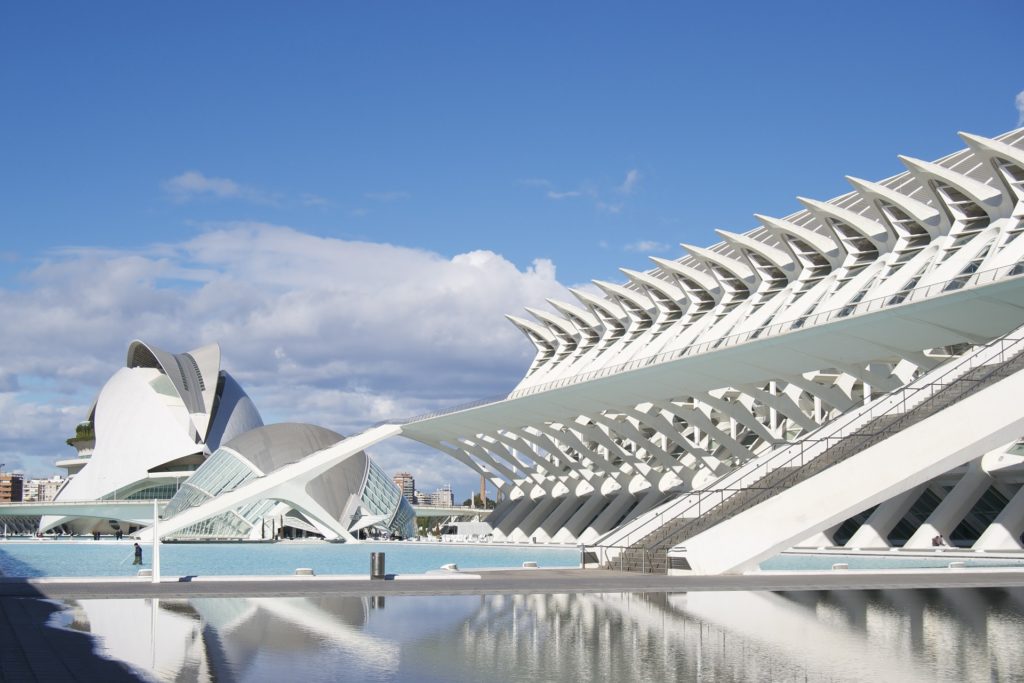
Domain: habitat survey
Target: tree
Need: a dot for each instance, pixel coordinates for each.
(475, 502)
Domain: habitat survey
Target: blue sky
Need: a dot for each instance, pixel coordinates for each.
(552, 143)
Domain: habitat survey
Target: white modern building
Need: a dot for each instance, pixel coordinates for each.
(154, 422)
(352, 496)
(654, 401)
(847, 376)
(178, 427)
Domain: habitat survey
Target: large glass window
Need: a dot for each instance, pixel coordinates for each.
(382, 497)
(224, 471)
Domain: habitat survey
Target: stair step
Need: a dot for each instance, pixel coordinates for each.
(676, 531)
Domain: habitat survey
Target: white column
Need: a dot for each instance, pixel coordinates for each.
(1004, 533)
(875, 530)
(953, 508)
(822, 539)
(582, 519)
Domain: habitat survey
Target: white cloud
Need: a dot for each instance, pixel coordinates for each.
(388, 197)
(1019, 101)
(555, 194)
(591, 191)
(571, 194)
(333, 332)
(193, 184)
(310, 199)
(630, 183)
(647, 246)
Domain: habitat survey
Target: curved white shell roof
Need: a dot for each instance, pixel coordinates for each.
(159, 408)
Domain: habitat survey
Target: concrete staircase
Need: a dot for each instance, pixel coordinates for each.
(649, 554)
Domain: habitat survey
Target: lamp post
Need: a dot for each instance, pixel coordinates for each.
(156, 542)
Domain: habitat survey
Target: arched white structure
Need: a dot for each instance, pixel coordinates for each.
(336, 502)
(660, 385)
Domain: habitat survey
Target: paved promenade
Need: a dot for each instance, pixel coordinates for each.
(509, 581)
(32, 651)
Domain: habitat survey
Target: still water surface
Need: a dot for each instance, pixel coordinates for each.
(30, 558)
(88, 558)
(887, 635)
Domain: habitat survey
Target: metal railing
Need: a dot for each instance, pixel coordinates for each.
(900, 298)
(442, 411)
(104, 502)
(626, 559)
(872, 422)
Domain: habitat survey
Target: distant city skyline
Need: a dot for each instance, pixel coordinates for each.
(350, 197)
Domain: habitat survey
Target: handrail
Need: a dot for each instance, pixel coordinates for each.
(620, 560)
(902, 401)
(900, 298)
(442, 411)
(110, 502)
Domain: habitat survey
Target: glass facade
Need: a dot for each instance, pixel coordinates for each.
(404, 522)
(160, 492)
(383, 498)
(224, 471)
(380, 495)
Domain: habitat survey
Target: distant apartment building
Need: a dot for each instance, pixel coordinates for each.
(407, 483)
(443, 497)
(42, 490)
(11, 486)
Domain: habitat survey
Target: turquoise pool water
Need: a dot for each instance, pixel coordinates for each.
(28, 558)
(87, 558)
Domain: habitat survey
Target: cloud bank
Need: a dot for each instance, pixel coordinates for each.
(334, 332)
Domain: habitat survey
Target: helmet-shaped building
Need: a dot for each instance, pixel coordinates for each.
(352, 495)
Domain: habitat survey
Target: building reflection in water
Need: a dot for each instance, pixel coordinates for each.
(898, 635)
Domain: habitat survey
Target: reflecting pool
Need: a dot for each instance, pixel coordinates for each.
(886, 635)
(88, 558)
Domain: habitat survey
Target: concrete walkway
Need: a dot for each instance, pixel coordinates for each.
(521, 581)
(32, 651)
